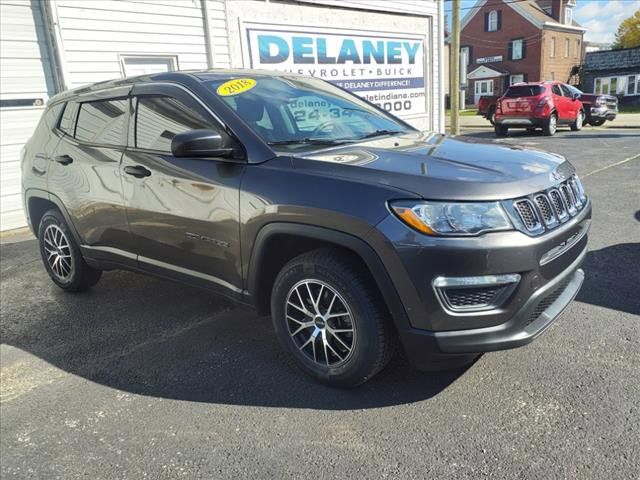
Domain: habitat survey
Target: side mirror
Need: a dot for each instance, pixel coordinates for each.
(202, 144)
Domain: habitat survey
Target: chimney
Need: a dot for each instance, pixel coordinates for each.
(557, 12)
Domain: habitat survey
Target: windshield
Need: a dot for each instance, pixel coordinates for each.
(298, 111)
(573, 89)
(524, 91)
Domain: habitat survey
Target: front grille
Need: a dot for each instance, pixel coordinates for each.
(569, 198)
(545, 210)
(547, 301)
(527, 214)
(472, 297)
(544, 206)
(558, 204)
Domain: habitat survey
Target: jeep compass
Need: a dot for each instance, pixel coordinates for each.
(358, 234)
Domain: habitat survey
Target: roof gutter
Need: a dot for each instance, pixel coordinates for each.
(208, 40)
(54, 43)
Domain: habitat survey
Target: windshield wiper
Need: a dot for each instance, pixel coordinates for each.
(308, 141)
(379, 133)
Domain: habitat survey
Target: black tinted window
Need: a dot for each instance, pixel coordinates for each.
(161, 118)
(556, 90)
(102, 122)
(68, 120)
(524, 91)
(565, 91)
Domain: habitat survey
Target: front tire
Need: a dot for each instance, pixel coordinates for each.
(330, 320)
(500, 130)
(577, 125)
(61, 255)
(551, 125)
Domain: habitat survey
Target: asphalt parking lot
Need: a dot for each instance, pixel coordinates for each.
(142, 378)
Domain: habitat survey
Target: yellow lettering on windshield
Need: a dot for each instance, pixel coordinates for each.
(235, 87)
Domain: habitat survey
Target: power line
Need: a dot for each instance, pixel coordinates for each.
(497, 4)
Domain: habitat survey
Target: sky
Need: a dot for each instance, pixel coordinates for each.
(600, 17)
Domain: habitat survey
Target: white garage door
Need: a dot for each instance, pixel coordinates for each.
(25, 86)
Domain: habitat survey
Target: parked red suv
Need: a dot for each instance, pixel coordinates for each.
(538, 105)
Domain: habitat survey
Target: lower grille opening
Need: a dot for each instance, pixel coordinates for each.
(472, 297)
(547, 301)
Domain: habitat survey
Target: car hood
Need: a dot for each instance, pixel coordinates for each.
(435, 166)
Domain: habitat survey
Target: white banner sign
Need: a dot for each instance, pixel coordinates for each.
(387, 69)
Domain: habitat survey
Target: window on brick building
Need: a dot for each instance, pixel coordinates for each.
(552, 51)
(566, 47)
(516, 49)
(492, 21)
(577, 54)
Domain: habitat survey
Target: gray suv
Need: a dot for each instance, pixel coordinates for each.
(358, 234)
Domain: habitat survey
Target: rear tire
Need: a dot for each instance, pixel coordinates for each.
(330, 320)
(61, 255)
(577, 125)
(491, 115)
(500, 130)
(551, 125)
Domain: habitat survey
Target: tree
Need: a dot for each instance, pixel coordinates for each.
(628, 34)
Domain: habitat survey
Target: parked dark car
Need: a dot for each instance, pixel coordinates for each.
(597, 108)
(544, 105)
(357, 233)
(487, 107)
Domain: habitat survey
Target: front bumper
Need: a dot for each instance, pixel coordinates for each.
(544, 306)
(603, 113)
(548, 282)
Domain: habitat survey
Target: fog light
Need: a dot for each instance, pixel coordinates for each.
(474, 294)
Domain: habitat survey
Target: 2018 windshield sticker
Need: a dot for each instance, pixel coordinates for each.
(235, 87)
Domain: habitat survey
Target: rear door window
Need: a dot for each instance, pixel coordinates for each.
(160, 118)
(102, 122)
(524, 91)
(556, 90)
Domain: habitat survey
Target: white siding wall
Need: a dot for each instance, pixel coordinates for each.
(24, 74)
(94, 34)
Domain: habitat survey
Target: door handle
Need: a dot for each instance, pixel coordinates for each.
(64, 159)
(137, 171)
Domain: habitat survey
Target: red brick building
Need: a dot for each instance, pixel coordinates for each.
(506, 42)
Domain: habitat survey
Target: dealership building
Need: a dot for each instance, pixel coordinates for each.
(390, 52)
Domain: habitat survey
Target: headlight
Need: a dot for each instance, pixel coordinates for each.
(450, 218)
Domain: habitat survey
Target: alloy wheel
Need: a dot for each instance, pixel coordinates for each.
(579, 121)
(58, 252)
(552, 124)
(320, 322)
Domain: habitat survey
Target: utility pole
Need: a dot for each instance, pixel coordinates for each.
(454, 97)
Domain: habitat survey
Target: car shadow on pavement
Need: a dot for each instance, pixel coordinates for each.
(152, 337)
(612, 277)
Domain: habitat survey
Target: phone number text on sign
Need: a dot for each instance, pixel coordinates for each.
(386, 69)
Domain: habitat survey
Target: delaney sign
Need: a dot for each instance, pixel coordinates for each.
(386, 69)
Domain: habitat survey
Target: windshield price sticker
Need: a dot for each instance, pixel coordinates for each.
(236, 87)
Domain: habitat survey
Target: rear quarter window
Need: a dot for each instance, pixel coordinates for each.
(524, 91)
(68, 120)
